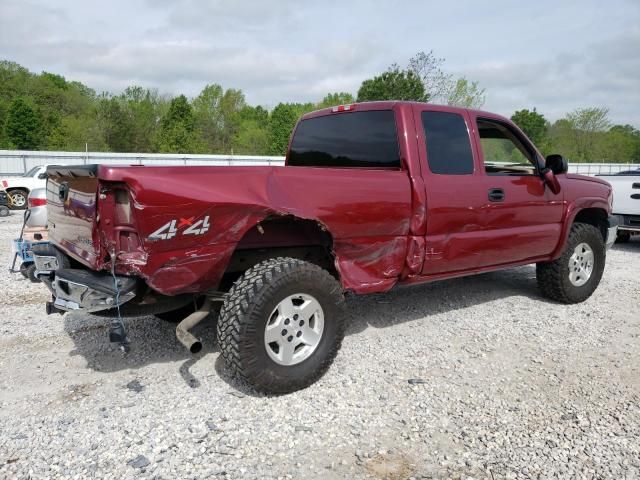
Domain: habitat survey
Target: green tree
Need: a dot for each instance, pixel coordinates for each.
(116, 125)
(208, 116)
(143, 108)
(586, 124)
(281, 122)
(464, 93)
(74, 133)
(581, 135)
(252, 135)
(252, 138)
(428, 67)
(394, 84)
(533, 124)
(621, 144)
(176, 133)
(22, 126)
(337, 98)
(217, 117)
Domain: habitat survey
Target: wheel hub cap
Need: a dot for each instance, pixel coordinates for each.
(581, 265)
(294, 329)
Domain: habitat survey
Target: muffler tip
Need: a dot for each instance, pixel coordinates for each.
(195, 347)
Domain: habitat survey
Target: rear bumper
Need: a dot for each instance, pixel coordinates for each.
(612, 230)
(80, 289)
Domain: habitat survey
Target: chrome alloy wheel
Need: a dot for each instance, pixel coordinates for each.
(294, 329)
(581, 265)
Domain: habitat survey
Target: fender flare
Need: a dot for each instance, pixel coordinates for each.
(573, 209)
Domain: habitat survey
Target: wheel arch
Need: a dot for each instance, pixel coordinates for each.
(23, 189)
(278, 236)
(590, 211)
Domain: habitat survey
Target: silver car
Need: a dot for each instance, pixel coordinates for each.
(37, 201)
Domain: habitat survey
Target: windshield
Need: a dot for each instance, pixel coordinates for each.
(32, 172)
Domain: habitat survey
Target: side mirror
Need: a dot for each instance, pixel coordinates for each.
(42, 176)
(557, 164)
(551, 180)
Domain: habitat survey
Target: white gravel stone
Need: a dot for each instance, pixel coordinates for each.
(512, 386)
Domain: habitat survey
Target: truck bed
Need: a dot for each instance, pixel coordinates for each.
(99, 213)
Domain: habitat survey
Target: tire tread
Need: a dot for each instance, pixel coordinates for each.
(550, 276)
(235, 325)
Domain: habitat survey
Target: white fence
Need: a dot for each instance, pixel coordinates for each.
(601, 168)
(17, 162)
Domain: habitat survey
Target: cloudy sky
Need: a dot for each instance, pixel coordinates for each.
(554, 55)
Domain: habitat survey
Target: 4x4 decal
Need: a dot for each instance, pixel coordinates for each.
(170, 230)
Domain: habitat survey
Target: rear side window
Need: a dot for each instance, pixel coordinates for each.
(356, 139)
(448, 144)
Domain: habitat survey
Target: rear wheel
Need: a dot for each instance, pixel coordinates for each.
(281, 326)
(574, 276)
(18, 199)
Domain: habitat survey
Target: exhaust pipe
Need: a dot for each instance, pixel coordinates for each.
(182, 330)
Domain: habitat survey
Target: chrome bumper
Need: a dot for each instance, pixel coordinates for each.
(612, 230)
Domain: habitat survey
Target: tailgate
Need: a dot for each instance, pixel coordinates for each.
(71, 205)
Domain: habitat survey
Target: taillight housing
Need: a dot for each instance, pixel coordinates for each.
(5, 184)
(37, 202)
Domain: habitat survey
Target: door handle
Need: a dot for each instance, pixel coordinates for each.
(496, 194)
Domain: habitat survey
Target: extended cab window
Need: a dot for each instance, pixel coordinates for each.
(448, 144)
(503, 152)
(354, 139)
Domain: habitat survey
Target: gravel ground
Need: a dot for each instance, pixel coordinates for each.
(478, 377)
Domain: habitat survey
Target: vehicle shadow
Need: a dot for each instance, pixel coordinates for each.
(633, 245)
(154, 341)
(405, 304)
(151, 341)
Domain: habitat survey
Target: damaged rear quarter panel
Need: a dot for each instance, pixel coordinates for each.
(367, 212)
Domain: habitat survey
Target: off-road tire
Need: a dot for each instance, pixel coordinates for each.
(553, 277)
(623, 237)
(246, 310)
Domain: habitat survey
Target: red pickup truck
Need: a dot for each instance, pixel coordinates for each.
(373, 195)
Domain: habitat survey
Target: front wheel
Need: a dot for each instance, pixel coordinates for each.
(280, 326)
(574, 276)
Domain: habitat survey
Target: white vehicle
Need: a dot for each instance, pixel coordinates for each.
(626, 202)
(18, 188)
